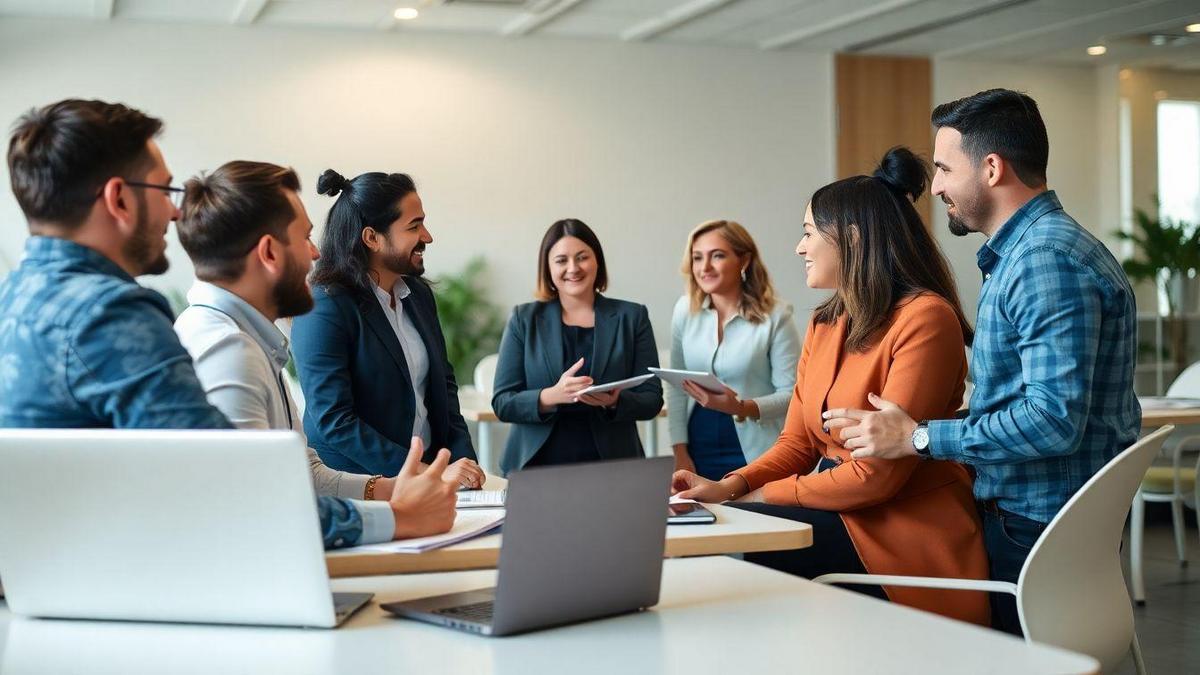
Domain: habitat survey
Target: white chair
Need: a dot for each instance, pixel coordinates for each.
(1071, 592)
(485, 374)
(1173, 484)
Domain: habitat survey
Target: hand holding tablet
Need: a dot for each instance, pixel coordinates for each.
(619, 385)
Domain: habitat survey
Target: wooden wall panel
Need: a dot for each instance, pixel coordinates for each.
(882, 101)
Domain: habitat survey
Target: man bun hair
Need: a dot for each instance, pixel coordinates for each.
(330, 183)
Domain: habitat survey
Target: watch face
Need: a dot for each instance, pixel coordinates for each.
(920, 438)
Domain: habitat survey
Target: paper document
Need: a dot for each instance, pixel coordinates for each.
(481, 499)
(1167, 403)
(466, 526)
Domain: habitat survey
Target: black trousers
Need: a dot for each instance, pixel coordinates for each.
(832, 550)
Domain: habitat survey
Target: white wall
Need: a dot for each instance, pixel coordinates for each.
(503, 136)
(1069, 99)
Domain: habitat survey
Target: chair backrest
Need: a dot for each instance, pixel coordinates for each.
(1072, 592)
(485, 374)
(1187, 385)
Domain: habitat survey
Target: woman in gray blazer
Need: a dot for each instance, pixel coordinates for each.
(569, 339)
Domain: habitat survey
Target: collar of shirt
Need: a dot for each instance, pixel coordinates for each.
(249, 319)
(1013, 230)
(55, 252)
(707, 306)
(400, 289)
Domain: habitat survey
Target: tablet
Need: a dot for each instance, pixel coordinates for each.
(676, 377)
(614, 386)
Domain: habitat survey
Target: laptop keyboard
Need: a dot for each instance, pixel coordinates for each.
(479, 612)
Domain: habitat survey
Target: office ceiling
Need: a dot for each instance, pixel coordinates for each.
(1145, 33)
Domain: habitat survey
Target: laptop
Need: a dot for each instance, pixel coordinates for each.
(186, 526)
(581, 541)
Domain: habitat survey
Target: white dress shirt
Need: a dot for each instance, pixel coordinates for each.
(239, 357)
(414, 353)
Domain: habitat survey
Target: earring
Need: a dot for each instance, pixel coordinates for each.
(743, 275)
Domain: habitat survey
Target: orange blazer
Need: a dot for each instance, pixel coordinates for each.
(907, 517)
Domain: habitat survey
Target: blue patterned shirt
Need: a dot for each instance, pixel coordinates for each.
(1052, 363)
(82, 345)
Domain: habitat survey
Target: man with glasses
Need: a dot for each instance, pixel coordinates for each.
(82, 344)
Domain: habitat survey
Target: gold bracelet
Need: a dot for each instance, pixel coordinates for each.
(369, 492)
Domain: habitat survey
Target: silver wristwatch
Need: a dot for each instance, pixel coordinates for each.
(920, 439)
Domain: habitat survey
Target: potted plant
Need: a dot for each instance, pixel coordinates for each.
(1168, 253)
(471, 323)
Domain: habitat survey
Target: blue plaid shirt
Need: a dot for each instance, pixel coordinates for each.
(1052, 363)
(82, 345)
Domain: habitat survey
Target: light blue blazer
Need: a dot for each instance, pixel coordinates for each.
(757, 360)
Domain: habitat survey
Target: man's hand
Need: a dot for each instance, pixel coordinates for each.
(422, 502)
(885, 433)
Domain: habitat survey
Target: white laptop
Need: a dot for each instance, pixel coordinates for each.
(189, 526)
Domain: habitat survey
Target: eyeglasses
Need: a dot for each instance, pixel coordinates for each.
(175, 193)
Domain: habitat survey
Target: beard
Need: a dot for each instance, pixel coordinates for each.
(402, 263)
(973, 212)
(139, 249)
(291, 295)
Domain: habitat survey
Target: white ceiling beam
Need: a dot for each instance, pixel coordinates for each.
(248, 11)
(530, 21)
(672, 19)
(1044, 29)
(836, 23)
(103, 9)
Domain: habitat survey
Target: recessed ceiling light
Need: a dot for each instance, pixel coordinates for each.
(1193, 28)
(1097, 50)
(405, 13)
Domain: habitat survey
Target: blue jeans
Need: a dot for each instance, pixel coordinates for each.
(1008, 538)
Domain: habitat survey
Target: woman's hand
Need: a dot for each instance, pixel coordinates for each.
(725, 401)
(464, 473)
(603, 399)
(565, 390)
(688, 485)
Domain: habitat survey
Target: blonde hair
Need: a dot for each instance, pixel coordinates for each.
(758, 295)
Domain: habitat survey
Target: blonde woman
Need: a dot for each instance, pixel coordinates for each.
(730, 324)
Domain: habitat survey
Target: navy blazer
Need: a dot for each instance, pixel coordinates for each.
(359, 401)
(531, 359)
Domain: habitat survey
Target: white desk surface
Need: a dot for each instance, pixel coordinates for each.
(736, 531)
(717, 615)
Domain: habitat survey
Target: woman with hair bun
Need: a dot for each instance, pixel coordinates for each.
(893, 328)
(371, 355)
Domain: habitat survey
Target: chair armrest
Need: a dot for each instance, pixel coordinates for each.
(920, 582)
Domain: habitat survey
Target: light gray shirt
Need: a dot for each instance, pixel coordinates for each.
(239, 358)
(757, 360)
(414, 353)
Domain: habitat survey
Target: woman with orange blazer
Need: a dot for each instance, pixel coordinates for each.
(894, 327)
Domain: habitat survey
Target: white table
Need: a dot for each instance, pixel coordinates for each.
(717, 615)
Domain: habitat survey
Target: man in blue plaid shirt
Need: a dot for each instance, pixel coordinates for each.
(1055, 344)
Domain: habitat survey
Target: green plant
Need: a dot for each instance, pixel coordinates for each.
(1168, 254)
(470, 322)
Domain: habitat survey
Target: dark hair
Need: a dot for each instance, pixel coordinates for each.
(369, 200)
(227, 212)
(567, 227)
(60, 156)
(1004, 122)
(887, 253)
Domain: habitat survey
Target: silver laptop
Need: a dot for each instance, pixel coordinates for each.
(191, 526)
(581, 541)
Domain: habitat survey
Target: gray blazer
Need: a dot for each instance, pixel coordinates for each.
(531, 359)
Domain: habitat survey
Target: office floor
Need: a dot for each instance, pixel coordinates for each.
(1168, 625)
